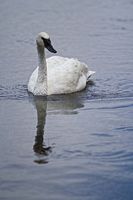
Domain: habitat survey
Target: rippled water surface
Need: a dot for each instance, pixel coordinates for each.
(77, 146)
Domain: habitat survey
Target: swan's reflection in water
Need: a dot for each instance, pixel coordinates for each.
(39, 146)
(51, 105)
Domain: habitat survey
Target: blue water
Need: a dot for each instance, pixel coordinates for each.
(76, 146)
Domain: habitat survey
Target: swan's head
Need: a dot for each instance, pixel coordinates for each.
(43, 40)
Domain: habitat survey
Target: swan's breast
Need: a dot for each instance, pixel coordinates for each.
(33, 80)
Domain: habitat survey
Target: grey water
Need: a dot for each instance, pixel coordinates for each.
(77, 146)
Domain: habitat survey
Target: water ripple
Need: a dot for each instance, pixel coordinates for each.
(92, 92)
(125, 128)
(115, 157)
(17, 92)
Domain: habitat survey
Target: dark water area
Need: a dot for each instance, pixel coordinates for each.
(76, 146)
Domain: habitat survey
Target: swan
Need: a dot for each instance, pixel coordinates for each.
(56, 75)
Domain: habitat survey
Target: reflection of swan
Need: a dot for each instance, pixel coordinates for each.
(66, 104)
(39, 147)
(44, 105)
(57, 104)
(56, 75)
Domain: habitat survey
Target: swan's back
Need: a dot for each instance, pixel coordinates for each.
(65, 75)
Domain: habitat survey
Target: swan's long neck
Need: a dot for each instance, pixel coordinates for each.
(42, 70)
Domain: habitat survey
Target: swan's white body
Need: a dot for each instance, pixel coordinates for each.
(58, 75)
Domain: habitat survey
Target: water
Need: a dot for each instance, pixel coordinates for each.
(77, 146)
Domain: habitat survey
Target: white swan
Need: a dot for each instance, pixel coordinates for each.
(56, 75)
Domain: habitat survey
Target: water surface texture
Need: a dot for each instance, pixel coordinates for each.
(77, 146)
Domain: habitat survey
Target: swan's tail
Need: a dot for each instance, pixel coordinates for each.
(89, 74)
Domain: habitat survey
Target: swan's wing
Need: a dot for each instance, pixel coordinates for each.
(66, 75)
(56, 61)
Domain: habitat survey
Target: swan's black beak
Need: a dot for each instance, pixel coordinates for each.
(48, 45)
(51, 48)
